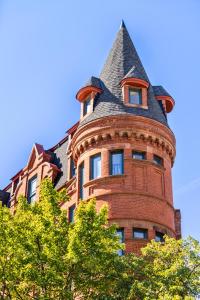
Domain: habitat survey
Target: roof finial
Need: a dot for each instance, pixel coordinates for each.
(122, 24)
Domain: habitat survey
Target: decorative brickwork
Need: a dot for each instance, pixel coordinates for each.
(142, 196)
(139, 192)
(38, 165)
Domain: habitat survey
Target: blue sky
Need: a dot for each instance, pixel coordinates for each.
(49, 48)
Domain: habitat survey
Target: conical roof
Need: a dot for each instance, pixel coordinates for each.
(160, 91)
(93, 81)
(134, 73)
(122, 58)
(122, 62)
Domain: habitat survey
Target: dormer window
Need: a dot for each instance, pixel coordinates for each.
(87, 94)
(135, 96)
(164, 99)
(135, 92)
(87, 106)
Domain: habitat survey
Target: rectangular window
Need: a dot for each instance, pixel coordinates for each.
(116, 162)
(158, 160)
(71, 213)
(159, 237)
(140, 233)
(120, 233)
(135, 96)
(86, 106)
(72, 168)
(32, 184)
(81, 180)
(95, 166)
(139, 155)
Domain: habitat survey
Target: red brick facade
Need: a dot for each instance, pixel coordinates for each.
(38, 165)
(139, 198)
(142, 196)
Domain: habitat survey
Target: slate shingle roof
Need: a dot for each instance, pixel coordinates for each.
(123, 61)
(160, 91)
(134, 72)
(93, 81)
(122, 57)
(60, 160)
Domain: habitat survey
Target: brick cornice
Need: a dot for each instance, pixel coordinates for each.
(121, 128)
(135, 120)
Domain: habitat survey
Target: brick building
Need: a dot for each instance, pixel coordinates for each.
(121, 152)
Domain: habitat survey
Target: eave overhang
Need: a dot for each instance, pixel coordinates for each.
(169, 102)
(84, 92)
(134, 82)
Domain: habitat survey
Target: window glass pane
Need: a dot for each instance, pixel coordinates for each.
(158, 160)
(120, 233)
(95, 166)
(32, 184)
(32, 198)
(117, 163)
(159, 237)
(81, 180)
(139, 155)
(140, 233)
(73, 168)
(135, 96)
(86, 106)
(71, 213)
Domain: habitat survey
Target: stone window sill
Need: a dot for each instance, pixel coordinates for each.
(99, 179)
(136, 105)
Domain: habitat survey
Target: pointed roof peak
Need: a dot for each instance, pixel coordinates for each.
(122, 25)
(122, 62)
(121, 59)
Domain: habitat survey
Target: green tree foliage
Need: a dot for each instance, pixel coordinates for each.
(169, 270)
(43, 257)
(35, 248)
(92, 250)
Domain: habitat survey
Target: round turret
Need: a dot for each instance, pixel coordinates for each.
(124, 149)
